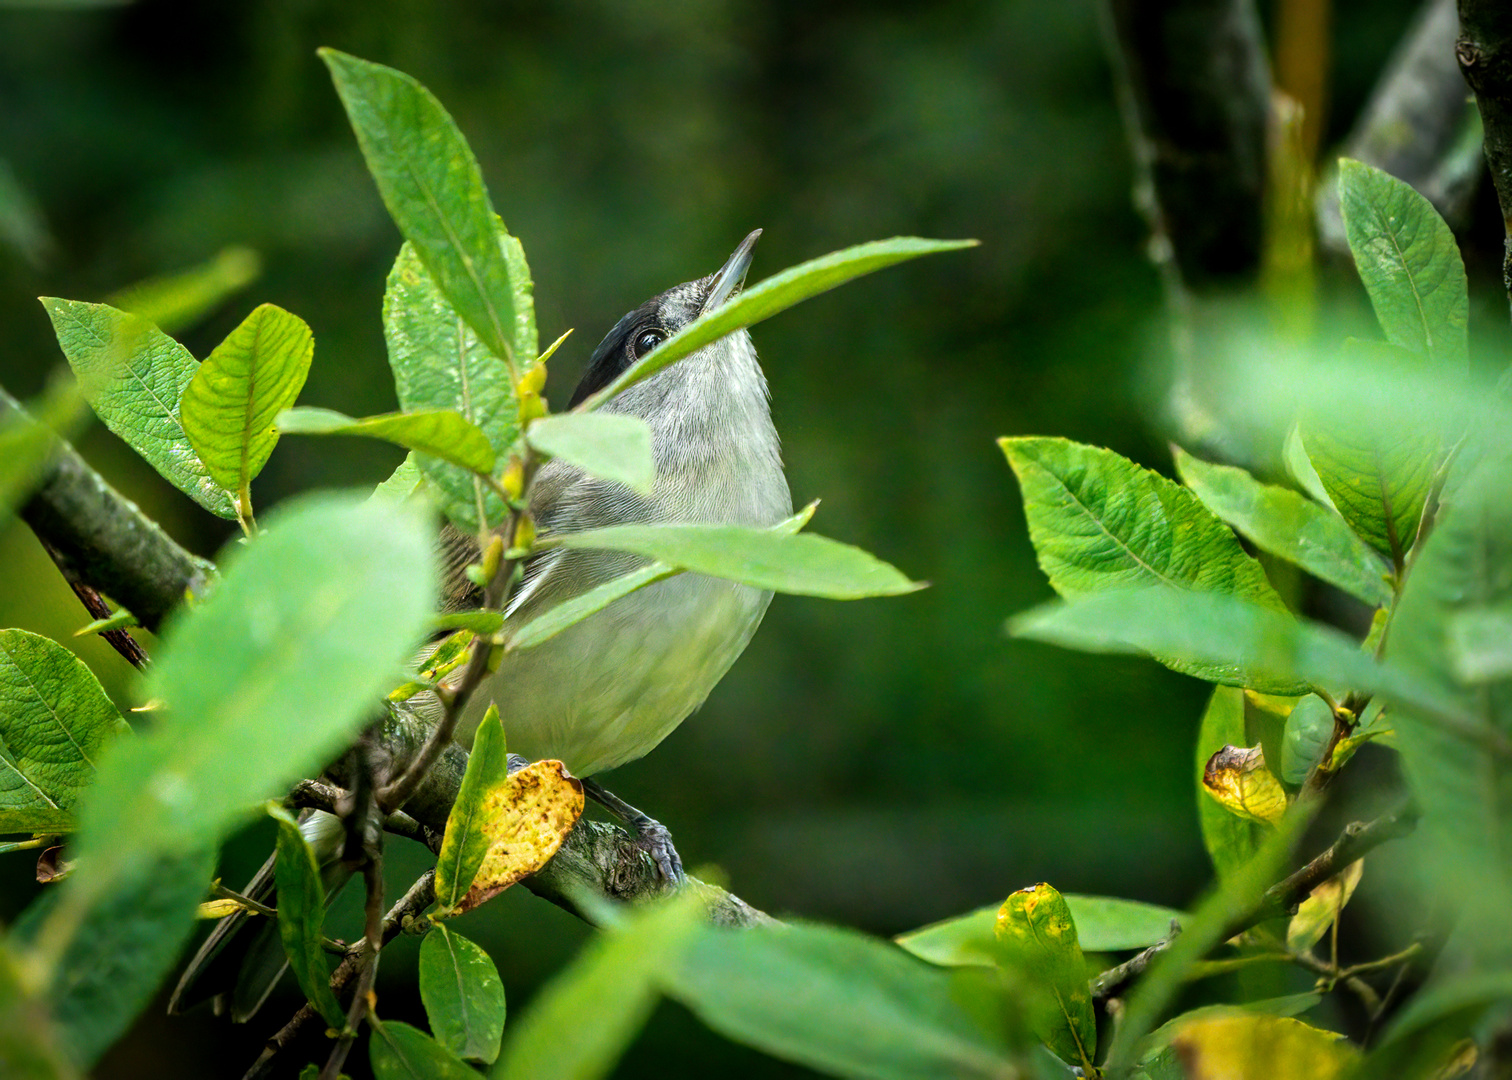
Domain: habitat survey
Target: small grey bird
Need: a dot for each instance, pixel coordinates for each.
(609, 689)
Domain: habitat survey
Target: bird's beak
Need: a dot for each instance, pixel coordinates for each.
(731, 275)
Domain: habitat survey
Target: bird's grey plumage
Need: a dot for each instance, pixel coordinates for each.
(607, 690)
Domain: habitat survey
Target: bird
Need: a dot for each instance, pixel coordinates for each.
(607, 690)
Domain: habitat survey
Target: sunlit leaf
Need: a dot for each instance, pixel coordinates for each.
(524, 821)
(1238, 779)
(134, 375)
(401, 1052)
(463, 996)
(775, 294)
(54, 720)
(176, 302)
(1035, 927)
(805, 564)
(447, 657)
(612, 446)
(1317, 913)
(466, 842)
(301, 916)
(264, 680)
(246, 381)
(433, 189)
(1289, 525)
(1103, 924)
(442, 433)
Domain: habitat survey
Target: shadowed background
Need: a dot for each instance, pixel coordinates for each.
(883, 763)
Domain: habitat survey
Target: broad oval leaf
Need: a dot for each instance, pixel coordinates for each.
(846, 1004)
(775, 294)
(264, 680)
(401, 1052)
(523, 821)
(439, 363)
(301, 916)
(1038, 935)
(442, 433)
(1100, 522)
(133, 375)
(1103, 924)
(1409, 263)
(434, 191)
(465, 842)
(612, 446)
(229, 405)
(1242, 1043)
(54, 720)
(1289, 525)
(603, 998)
(802, 563)
(1231, 841)
(463, 995)
(1309, 726)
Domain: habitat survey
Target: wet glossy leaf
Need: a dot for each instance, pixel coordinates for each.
(1247, 1046)
(1239, 780)
(301, 916)
(439, 363)
(612, 446)
(54, 720)
(264, 680)
(1317, 913)
(1103, 924)
(1035, 926)
(401, 1052)
(463, 996)
(441, 433)
(134, 375)
(1100, 522)
(1309, 726)
(433, 189)
(775, 294)
(524, 822)
(804, 564)
(176, 302)
(466, 842)
(849, 1005)
(252, 376)
(1289, 525)
(1408, 261)
(580, 1023)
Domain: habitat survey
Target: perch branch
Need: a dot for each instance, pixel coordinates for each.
(1484, 51)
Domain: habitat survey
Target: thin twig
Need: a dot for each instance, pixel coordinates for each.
(1114, 979)
(118, 639)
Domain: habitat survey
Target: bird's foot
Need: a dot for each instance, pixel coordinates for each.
(652, 837)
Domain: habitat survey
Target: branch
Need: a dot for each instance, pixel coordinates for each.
(104, 541)
(1484, 51)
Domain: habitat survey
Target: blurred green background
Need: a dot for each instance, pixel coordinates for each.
(881, 764)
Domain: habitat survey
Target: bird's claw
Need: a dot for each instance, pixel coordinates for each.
(653, 838)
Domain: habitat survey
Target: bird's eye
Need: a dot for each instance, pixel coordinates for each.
(648, 340)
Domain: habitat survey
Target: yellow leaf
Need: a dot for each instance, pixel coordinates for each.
(1316, 914)
(1253, 1046)
(525, 821)
(1237, 778)
(218, 909)
(1036, 927)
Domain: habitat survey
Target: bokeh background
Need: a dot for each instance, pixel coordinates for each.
(882, 763)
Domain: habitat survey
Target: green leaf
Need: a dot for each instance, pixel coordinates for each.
(847, 1005)
(479, 622)
(1416, 1043)
(54, 720)
(804, 564)
(443, 433)
(1286, 524)
(570, 612)
(1480, 644)
(463, 995)
(608, 445)
(133, 375)
(1231, 841)
(434, 191)
(439, 363)
(775, 294)
(1262, 648)
(1309, 726)
(29, 1047)
(264, 680)
(403, 483)
(177, 302)
(1459, 783)
(301, 916)
(526, 344)
(129, 942)
(1103, 923)
(581, 1022)
(465, 843)
(1099, 522)
(401, 1052)
(1408, 261)
(1038, 935)
(252, 376)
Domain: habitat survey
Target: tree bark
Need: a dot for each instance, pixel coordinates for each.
(1484, 51)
